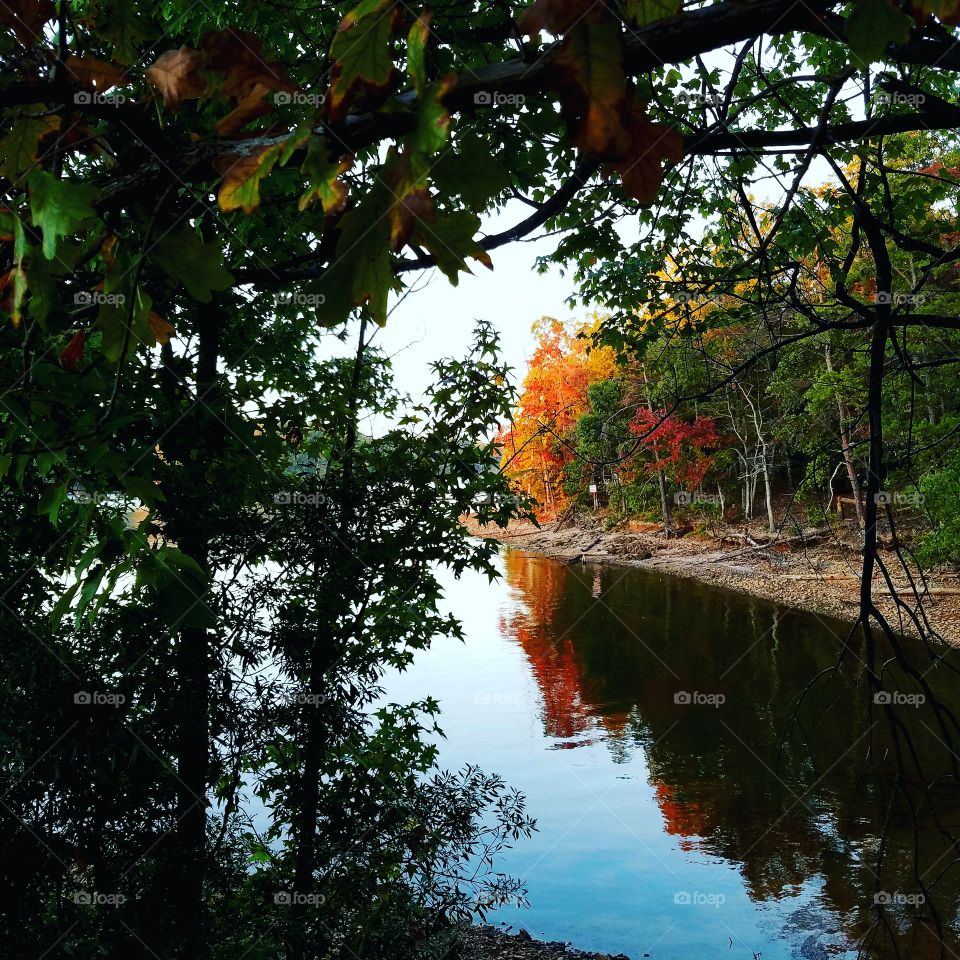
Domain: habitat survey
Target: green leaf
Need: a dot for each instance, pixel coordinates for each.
(873, 25)
(451, 239)
(183, 256)
(416, 51)
(51, 501)
(361, 54)
(20, 148)
(60, 207)
(642, 12)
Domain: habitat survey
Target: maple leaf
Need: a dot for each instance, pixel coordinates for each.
(946, 11)
(26, 18)
(94, 74)
(361, 55)
(451, 238)
(594, 93)
(20, 149)
(250, 106)
(177, 75)
(242, 174)
(554, 16)
(72, 353)
(411, 199)
(873, 25)
(190, 261)
(416, 51)
(60, 207)
(641, 169)
(238, 55)
(642, 12)
(323, 174)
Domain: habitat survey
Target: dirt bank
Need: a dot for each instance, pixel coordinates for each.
(810, 570)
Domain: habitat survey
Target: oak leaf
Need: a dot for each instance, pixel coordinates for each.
(554, 16)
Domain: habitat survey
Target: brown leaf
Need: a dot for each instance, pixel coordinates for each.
(249, 107)
(238, 55)
(93, 74)
(26, 18)
(594, 93)
(177, 76)
(651, 143)
(554, 16)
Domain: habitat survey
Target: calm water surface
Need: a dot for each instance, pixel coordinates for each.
(671, 828)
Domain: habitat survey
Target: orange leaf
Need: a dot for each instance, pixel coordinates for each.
(93, 74)
(249, 107)
(651, 143)
(177, 76)
(160, 328)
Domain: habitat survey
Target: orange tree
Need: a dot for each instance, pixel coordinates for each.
(538, 447)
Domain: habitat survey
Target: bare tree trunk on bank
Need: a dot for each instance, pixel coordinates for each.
(846, 447)
(661, 476)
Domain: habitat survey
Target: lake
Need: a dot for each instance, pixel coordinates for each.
(687, 806)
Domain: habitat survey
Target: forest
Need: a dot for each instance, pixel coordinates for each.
(227, 527)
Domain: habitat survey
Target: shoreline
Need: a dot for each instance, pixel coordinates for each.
(484, 942)
(813, 573)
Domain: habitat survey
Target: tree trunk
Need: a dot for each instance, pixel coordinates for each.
(847, 448)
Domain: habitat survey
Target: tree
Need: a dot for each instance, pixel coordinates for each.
(160, 349)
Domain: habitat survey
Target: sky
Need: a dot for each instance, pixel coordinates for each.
(436, 320)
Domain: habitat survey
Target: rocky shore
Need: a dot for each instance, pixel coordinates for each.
(814, 570)
(489, 943)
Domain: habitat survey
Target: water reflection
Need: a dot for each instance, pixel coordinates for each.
(703, 684)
